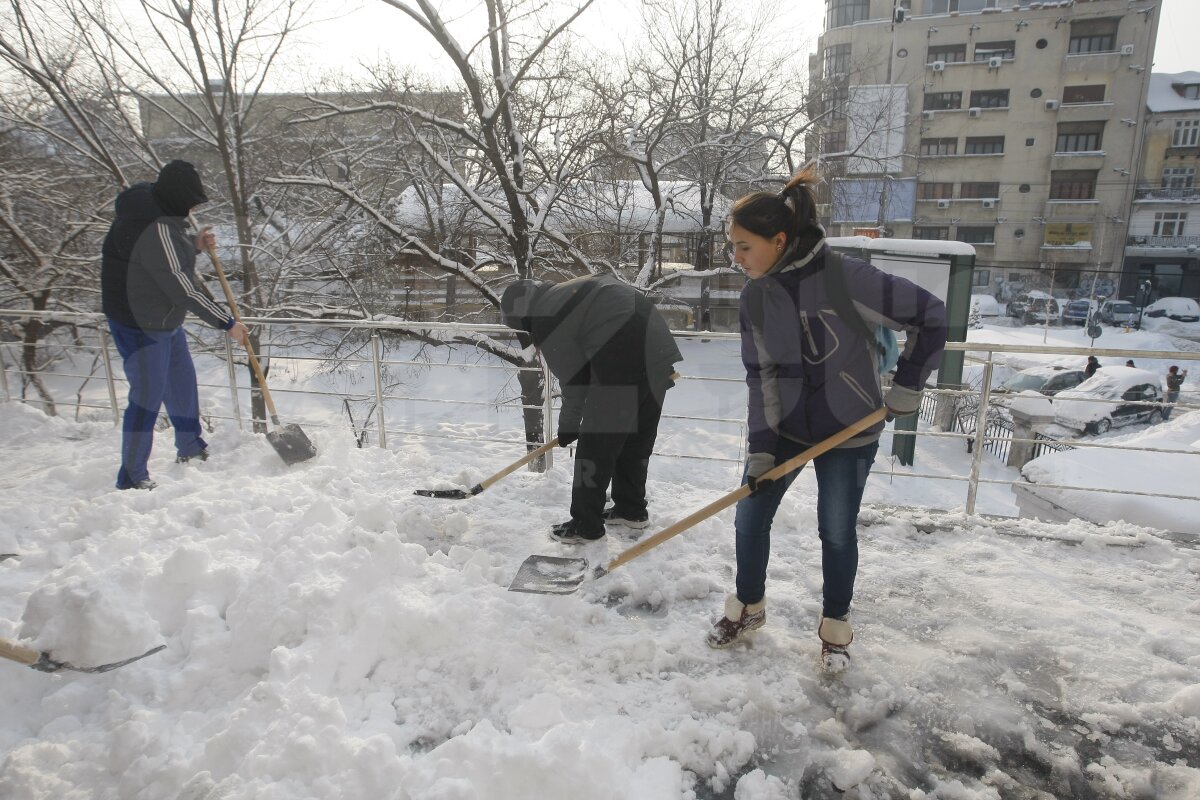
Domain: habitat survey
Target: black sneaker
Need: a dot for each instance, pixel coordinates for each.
(201, 456)
(569, 533)
(611, 517)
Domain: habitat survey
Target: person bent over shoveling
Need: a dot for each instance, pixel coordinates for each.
(614, 357)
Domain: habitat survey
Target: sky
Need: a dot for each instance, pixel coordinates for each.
(330, 636)
(370, 30)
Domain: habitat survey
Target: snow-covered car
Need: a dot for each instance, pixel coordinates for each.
(1118, 312)
(1113, 397)
(987, 305)
(1077, 312)
(1034, 307)
(1180, 309)
(1046, 380)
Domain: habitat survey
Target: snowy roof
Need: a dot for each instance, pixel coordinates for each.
(917, 247)
(1163, 95)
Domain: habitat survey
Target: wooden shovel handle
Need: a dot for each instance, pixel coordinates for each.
(547, 447)
(262, 380)
(775, 473)
(18, 652)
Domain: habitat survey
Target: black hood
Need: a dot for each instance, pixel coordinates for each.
(516, 304)
(138, 202)
(178, 188)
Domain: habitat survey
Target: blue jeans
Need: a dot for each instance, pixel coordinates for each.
(1172, 399)
(159, 369)
(841, 479)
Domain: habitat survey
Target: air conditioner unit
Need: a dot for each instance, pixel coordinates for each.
(974, 112)
(1051, 105)
(989, 203)
(926, 115)
(995, 62)
(943, 203)
(938, 66)
(1126, 49)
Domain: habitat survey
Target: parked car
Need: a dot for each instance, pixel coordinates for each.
(1180, 309)
(1118, 312)
(1046, 380)
(987, 305)
(1077, 312)
(1112, 398)
(1033, 307)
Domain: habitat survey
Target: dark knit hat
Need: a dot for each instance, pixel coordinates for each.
(178, 188)
(516, 304)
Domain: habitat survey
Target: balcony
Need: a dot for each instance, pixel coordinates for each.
(1161, 194)
(1175, 242)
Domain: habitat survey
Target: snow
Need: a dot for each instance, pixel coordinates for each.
(1161, 95)
(916, 247)
(1175, 306)
(330, 635)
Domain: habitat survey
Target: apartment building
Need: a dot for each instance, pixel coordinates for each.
(1163, 246)
(1013, 126)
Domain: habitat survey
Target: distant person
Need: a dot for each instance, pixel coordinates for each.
(1092, 365)
(811, 372)
(1130, 363)
(148, 284)
(614, 356)
(1174, 385)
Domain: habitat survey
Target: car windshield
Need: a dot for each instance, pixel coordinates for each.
(1022, 383)
(1101, 386)
(1123, 308)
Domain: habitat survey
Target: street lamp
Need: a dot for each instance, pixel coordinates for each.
(1143, 295)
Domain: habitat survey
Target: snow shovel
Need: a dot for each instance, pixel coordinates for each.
(459, 494)
(558, 575)
(42, 662)
(288, 440)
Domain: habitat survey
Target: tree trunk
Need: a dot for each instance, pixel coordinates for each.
(533, 395)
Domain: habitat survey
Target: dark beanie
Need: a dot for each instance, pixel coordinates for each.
(516, 304)
(178, 188)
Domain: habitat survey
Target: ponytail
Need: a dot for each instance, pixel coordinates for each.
(792, 211)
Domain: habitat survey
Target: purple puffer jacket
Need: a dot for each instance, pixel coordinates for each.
(811, 374)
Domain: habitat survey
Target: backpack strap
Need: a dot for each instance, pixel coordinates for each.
(843, 304)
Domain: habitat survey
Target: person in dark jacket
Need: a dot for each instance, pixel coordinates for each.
(1093, 364)
(1175, 380)
(810, 375)
(148, 284)
(614, 357)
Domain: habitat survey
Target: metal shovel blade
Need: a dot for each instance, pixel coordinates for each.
(292, 444)
(450, 494)
(46, 664)
(551, 575)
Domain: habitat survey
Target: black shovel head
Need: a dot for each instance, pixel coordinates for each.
(450, 494)
(291, 444)
(552, 575)
(46, 664)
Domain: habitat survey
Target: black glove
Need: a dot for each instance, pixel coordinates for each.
(565, 438)
(758, 484)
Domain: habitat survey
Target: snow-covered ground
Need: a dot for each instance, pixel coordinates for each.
(331, 635)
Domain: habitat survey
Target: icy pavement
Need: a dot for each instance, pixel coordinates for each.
(329, 635)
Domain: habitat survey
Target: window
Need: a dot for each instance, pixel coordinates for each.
(939, 233)
(845, 12)
(946, 6)
(990, 98)
(935, 191)
(1188, 91)
(1073, 184)
(1170, 223)
(837, 60)
(1187, 133)
(1178, 177)
(981, 277)
(939, 147)
(977, 234)
(833, 142)
(943, 101)
(984, 145)
(1083, 94)
(987, 50)
(836, 100)
(950, 53)
(1079, 137)
(977, 191)
(1093, 36)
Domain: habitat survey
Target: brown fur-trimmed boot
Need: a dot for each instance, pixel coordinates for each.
(836, 635)
(739, 619)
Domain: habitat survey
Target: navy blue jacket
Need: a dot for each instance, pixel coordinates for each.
(148, 271)
(810, 373)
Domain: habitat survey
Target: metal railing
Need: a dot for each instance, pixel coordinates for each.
(953, 406)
